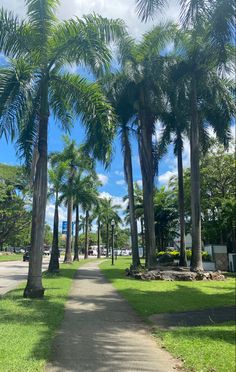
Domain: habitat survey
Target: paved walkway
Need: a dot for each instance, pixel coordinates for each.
(101, 333)
(194, 318)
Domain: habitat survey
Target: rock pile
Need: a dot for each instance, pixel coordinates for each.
(175, 274)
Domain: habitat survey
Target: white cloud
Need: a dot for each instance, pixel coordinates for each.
(140, 183)
(124, 9)
(165, 177)
(50, 214)
(103, 178)
(120, 182)
(116, 200)
(119, 173)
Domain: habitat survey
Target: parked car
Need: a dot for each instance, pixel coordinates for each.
(26, 256)
(46, 252)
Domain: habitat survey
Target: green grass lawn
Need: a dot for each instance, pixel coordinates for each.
(27, 327)
(12, 257)
(205, 348)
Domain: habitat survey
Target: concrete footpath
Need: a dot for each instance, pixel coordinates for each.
(101, 332)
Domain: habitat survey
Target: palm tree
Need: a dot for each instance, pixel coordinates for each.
(124, 112)
(88, 200)
(109, 212)
(79, 164)
(142, 75)
(175, 119)
(34, 84)
(56, 179)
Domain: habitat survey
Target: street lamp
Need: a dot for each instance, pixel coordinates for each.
(112, 247)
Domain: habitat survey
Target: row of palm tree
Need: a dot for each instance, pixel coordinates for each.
(184, 86)
(74, 183)
(187, 90)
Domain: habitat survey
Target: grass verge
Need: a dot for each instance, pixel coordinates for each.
(27, 327)
(12, 257)
(205, 348)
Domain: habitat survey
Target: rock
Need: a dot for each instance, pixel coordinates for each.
(171, 275)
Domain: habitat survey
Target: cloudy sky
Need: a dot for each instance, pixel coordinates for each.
(113, 178)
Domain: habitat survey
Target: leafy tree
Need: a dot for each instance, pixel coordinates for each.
(35, 84)
(15, 216)
(48, 236)
(166, 217)
(217, 174)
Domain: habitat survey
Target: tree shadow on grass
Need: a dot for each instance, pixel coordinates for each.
(216, 332)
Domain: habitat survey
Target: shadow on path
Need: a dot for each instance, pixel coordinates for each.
(102, 333)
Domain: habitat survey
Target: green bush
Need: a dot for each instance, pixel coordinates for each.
(175, 254)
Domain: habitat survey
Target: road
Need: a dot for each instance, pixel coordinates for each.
(13, 272)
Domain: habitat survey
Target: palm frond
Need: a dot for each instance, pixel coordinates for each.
(148, 8)
(193, 12)
(84, 41)
(16, 37)
(87, 101)
(15, 90)
(41, 15)
(222, 29)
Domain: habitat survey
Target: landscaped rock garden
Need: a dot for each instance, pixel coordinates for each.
(174, 273)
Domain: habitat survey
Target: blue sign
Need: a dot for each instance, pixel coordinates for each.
(64, 227)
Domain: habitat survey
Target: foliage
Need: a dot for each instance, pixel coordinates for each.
(217, 171)
(47, 235)
(166, 217)
(15, 217)
(92, 239)
(175, 254)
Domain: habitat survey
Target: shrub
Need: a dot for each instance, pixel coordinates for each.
(175, 255)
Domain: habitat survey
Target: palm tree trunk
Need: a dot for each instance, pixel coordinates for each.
(98, 240)
(147, 163)
(143, 237)
(107, 247)
(34, 287)
(68, 257)
(196, 262)
(133, 223)
(183, 257)
(76, 244)
(54, 259)
(86, 235)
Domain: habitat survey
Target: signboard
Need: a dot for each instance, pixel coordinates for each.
(64, 227)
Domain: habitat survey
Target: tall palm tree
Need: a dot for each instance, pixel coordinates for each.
(56, 178)
(109, 212)
(79, 164)
(142, 75)
(88, 200)
(34, 85)
(117, 96)
(175, 119)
